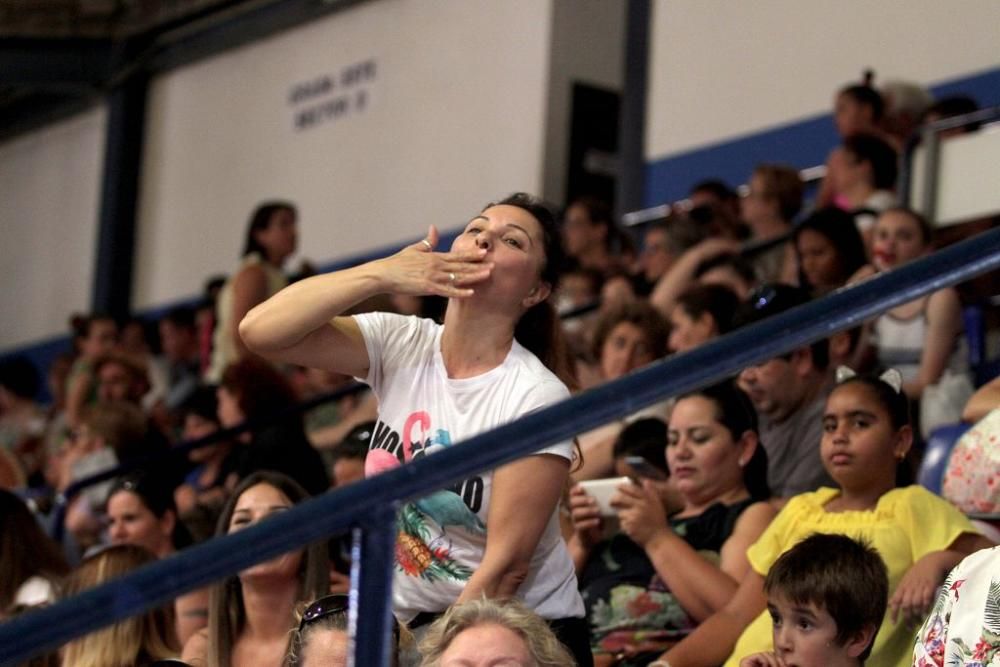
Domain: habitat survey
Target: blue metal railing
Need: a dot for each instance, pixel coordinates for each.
(368, 507)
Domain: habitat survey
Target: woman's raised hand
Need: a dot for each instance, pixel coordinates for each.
(640, 511)
(418, 270)
(586, 516)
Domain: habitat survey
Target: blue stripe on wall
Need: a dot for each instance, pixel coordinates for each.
(801, 144)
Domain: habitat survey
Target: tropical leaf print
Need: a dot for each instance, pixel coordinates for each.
(413, 555)
(991, 615)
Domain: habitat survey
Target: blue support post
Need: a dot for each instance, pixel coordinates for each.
(372, 561)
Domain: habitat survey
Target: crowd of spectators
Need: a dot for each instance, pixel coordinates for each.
(683, 566)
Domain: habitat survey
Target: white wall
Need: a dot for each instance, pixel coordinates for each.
(720, 69)
(49, 201)
(588, 46)
(455, 117)
(967, 181)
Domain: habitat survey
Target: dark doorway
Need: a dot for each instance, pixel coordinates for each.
(593, 143)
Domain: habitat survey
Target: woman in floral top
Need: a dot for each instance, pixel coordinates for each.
(963, 629)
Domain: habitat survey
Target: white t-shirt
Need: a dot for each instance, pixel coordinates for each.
(441, 538)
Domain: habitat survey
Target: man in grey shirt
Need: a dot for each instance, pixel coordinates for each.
(789, 393)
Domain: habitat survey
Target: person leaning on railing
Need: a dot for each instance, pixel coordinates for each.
(497, 356)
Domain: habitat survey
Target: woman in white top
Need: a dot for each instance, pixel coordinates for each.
(923, 339)
(271, 238)
(491, 362)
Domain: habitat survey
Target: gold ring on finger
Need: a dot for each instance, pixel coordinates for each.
(451, 277)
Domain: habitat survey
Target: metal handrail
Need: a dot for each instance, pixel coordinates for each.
(368, 507)
(649, 214)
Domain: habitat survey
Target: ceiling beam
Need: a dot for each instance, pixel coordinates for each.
(55, 63)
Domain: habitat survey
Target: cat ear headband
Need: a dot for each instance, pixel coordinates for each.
(891, 377)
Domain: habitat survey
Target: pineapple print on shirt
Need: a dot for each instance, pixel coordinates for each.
(423, 545)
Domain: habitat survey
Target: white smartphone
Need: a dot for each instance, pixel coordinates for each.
(601, 490)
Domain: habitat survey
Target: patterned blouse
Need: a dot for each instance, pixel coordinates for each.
(963, 629)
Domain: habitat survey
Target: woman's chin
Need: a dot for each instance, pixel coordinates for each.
(280, 568)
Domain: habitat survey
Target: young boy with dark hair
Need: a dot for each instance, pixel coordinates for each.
(827, 596)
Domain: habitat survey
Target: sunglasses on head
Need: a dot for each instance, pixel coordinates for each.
(762, 296)
(324, 606)
(337, 603)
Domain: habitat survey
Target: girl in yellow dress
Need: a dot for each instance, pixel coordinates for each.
(866, 432)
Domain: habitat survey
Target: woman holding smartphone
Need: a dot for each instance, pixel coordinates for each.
(650, 584)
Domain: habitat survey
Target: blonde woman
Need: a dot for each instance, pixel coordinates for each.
(492, 632)
(137, 640)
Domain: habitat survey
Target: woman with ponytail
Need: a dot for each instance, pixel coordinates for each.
(497, 357)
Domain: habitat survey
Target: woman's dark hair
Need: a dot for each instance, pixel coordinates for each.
(157, 497)
(782, 183)
(81, 324)
(879, 154)
(954, 105)
(600, 214)
(716, 188)
(182, 317)
(838, 227)
(25, 550)
(259, 388)
(736, 413)
(642, 315)
(226, 613)
(615, 239)
(259, 220)
(646, 438)
(539, 329)
(202, 403)
(717, 300)
(866, 96)
(20, 377)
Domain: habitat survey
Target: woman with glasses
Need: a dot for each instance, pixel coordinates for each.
(251, 613)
